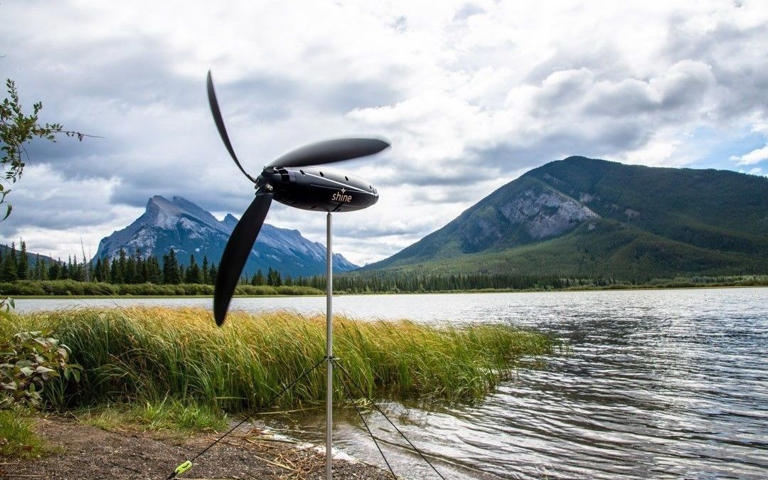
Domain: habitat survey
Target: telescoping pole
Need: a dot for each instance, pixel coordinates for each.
(329, 353)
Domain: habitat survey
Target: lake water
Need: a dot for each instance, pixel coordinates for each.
(657, 384)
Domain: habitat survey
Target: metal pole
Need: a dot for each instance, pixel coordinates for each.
(329, 353)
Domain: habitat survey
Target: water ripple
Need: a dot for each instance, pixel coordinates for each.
(659, 384)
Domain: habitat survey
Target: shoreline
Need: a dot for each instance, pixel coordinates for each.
(78, 450)
(436, 292)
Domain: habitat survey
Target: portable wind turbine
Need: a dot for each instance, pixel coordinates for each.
(284, 181)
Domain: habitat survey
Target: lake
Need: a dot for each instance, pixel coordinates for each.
(655, 384)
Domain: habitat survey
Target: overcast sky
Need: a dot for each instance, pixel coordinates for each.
(470, 94)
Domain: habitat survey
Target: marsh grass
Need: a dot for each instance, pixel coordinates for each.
(141, 355)
(17, 436)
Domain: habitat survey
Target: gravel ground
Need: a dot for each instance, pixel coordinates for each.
(85, 452)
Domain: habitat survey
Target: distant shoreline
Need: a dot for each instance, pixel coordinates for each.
(680, 286)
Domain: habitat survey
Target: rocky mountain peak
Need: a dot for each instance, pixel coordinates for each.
(191, 230)
(229, 220)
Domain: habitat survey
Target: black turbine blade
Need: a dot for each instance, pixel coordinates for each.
(236, 253)
(330, 151)
(214, 104)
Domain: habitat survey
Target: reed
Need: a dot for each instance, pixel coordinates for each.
(149, 354)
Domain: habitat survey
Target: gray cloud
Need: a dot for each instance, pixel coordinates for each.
(686, 86)
(459, 192)
(629, 96)
(120, 73)
(736, 56)
(467, 11)
(267, 97)
(373, 231)
(348, 95)
(43, 201)
(601, 58)
(459, 172)
(261, 97)
(561, 88)
(52, 215)
(400, 24)
(469, 103)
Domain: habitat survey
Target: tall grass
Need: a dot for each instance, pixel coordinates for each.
(147, 354)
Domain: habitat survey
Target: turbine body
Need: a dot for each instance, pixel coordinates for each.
(317, 190)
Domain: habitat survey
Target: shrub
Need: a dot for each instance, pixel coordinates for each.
(298, 290)
(28, 362)
(255, 290)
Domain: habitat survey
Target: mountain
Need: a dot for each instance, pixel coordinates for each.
(588, 217)
(189, 229)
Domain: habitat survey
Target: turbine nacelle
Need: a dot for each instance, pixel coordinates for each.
(317, 190)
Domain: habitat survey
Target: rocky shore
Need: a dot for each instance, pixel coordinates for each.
(85, 452)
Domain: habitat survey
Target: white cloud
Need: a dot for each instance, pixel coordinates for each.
(659, 152)
(757, 155)
(753, 157)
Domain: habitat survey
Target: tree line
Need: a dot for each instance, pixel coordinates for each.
(125, 269)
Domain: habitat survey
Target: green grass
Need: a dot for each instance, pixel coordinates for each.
(169, 418)
(166, 415)
(140, 355)
(17, 437)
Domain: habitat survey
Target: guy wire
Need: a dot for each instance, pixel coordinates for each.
(344, 370)
(271, 401)
(357, 409)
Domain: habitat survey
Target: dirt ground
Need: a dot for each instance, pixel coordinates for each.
(84, 452)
